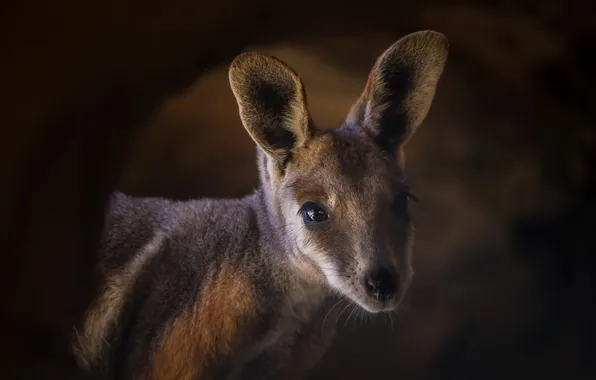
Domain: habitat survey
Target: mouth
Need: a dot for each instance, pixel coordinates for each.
(373, 305)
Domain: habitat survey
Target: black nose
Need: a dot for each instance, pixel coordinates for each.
(383, 284)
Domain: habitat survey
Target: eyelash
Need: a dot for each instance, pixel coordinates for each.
(405, 211)
(412, 196)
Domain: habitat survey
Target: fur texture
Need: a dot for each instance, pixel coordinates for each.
(230, 288)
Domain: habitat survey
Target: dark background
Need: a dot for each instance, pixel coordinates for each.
(134, 95)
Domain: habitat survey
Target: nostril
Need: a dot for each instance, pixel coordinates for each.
(382, 284)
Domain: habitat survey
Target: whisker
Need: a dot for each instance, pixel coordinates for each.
(353, 307)
(390, 315)
(342, 311)
(361, 317)
(336, 272)
(331, 309)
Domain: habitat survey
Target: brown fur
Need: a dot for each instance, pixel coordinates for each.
(263, 265)
(249, 74)
(207, 332)
(421, 62)
(355, 172)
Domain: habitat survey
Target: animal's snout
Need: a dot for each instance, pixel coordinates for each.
(382, 284)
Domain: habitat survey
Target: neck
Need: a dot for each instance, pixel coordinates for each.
(276, 246)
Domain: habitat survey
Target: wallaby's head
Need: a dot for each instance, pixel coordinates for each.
(339, 198)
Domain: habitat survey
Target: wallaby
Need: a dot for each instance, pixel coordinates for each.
(222, 288)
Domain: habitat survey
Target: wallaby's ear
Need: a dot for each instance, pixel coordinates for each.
(400, 88)
(272, 104)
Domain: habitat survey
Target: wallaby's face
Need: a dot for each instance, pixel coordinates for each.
(339, 198)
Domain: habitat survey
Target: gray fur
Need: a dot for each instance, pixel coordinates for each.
(157, 255)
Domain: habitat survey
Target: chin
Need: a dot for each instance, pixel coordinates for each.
(374, 309)
(373, 306)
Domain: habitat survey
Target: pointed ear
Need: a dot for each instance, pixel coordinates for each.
(272, 104)
(400, 88)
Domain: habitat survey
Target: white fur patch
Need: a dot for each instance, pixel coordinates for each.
(332, 200)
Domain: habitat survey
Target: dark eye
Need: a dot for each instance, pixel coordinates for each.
(312, 213)
(401, 204)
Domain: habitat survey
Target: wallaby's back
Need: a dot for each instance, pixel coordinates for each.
(164, 261)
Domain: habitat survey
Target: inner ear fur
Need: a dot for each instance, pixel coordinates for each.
(272, 104)
(400, 88)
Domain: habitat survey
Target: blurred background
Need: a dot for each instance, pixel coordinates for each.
(136, 97)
